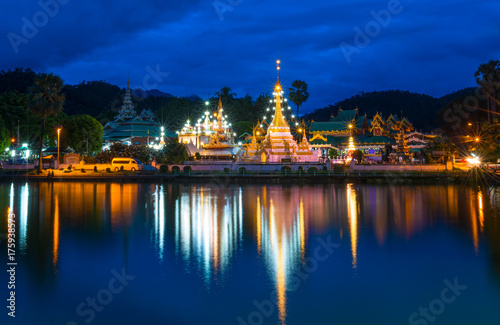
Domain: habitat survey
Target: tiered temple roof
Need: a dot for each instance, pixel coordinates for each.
(128, 127)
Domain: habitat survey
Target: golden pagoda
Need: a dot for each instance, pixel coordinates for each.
(210, 137)
(220, 138)
(278, 144)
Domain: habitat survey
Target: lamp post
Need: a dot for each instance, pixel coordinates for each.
(58, 136)
(477, 124)
(162, 141)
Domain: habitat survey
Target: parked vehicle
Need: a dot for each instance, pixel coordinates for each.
(127, 163)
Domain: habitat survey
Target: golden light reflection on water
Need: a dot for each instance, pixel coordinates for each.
(206, 224)
(352, 212)
(282, 230)
(480, 206)
(55, 246)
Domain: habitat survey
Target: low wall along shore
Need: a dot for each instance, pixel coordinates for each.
(248, 167)
(399, 168)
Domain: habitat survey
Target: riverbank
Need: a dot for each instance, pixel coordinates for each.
(223, 178)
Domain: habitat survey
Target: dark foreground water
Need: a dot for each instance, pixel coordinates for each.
(100, 253)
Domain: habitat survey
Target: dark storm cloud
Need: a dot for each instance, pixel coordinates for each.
(52, 32)
(427, 46)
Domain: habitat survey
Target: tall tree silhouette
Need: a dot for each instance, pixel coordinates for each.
(226, 93)
(45, 99)
(488, 80)
(298, 93)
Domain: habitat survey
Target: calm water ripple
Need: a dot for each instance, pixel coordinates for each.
(105, 253)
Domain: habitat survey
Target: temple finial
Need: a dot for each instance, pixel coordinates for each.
(278, 67)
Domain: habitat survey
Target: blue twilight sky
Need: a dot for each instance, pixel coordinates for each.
(196, 47)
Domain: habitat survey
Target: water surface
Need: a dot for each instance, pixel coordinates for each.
(105, 253)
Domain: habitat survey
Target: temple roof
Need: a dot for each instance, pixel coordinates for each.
(345, 116)
(359, 121)
(358, 140)
(328, 126)
(378, 139)
(278, 120)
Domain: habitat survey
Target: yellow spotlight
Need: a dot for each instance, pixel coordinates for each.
(350, 126)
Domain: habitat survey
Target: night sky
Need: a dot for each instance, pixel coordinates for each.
(197, 47)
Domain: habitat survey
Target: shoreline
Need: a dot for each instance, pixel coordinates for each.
(322, 177)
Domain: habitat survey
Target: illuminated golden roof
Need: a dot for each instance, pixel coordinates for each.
(278, 120)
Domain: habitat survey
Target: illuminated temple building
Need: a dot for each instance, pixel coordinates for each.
(278, 144)
(209, 138)
(132, 129)
(374, 136)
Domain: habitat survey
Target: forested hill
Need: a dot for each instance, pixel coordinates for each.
(422, 110)
(103, 100)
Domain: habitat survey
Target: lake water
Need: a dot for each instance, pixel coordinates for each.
(101, 253)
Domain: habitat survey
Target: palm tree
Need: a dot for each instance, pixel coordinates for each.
(45, 100)
(488, 79)
(298, 93)
(226, 93)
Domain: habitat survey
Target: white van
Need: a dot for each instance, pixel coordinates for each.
(127, 163)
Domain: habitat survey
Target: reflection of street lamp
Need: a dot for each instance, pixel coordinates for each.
(58, 134)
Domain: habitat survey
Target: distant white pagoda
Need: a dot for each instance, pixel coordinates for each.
(127, 112)
(130, 128)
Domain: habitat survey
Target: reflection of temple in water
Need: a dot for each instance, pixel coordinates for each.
(208, 228)
(205, 225)
(281, 236)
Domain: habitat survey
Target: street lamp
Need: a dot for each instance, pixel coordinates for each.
(58, 135)
(162, 142)
(477, 125)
